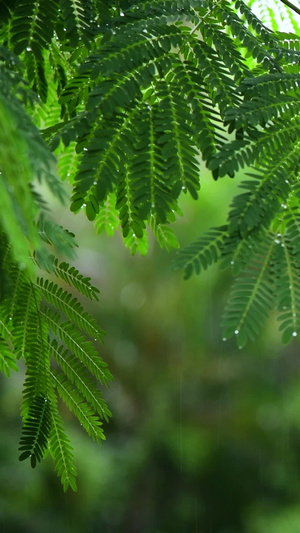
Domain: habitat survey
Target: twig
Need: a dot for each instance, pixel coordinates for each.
(291, 6)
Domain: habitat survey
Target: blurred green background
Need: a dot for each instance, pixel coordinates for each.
(204, 437)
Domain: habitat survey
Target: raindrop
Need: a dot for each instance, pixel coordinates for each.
(294, 333)
(277, 241)
(240, 347)
(28, 49)
(224, 339)
(236, 332)
(232, 262)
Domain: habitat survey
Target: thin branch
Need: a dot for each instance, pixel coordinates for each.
(291, 6)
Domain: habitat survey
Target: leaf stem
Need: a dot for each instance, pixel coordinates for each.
(291, 6)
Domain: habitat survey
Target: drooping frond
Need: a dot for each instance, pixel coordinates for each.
(78, 345)
(77, 373)
(75, 402)
(61, 450)
(201, 253)
(69, 305)
(27, 328)
(36, 430)
(73, 277)
(252, 295)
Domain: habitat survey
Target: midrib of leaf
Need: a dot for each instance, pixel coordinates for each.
(152, 158)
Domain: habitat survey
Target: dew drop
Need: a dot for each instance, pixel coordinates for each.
(232, 262)
(28, 49)
(224, 339)
(294, 333)
(236, 332)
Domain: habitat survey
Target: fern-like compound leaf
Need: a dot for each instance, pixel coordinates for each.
(75, 402)
(73, 277)
(69, 305)
(78, 345)
(252, 296)
(61, 450)
(36, 430)
(77, 373)
(201, 253)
